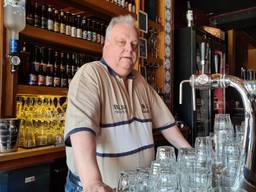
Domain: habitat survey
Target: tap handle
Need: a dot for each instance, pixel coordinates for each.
(192, 82)
(203, 53)
(180, 90)
(216, 63)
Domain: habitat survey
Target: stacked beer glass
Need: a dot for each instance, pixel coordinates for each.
(214, 164)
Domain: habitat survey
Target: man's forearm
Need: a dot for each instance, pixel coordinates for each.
(175, 137)
(84, 149)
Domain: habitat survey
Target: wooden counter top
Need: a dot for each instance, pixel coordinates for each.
(26, 157)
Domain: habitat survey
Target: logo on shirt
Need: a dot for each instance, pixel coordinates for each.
(144, 108)
(120, 108)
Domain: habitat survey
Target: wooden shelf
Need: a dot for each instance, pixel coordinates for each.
(36, 90)
(60, 39)
(105, 7)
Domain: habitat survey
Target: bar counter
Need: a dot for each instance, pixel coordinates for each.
(28, 157)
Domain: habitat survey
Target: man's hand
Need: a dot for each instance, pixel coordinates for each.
(98, 187)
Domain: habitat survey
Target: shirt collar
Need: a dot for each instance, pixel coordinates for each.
(112, 72)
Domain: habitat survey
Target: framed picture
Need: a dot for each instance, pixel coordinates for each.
(143, 21)
(143, 48)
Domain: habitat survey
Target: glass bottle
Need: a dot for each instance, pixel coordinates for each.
(78, 26)
(34, 66)
(41, 72)
(63, 74)
(37, 15)
(50, 18)
(49, 69)
(73, 25)
(43, 17)
(62, 22)
(56, 70)
(68, 24)
(56, 22)
(89, 30)
(84, 28)
(29, 13)
(68, 67)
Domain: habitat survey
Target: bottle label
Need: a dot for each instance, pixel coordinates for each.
(62, 28)
(79, 33)
(32, 79)
(68, 30)
(36, 66)
(64, 82)
(50, 25)
(89, 35)
(56, 81)
(48, 81)
(41, 80)
(44, 23)
(85, 34)
(56, 27)
(98, 38)
(44, 67)
(73, 31)
(94, 37)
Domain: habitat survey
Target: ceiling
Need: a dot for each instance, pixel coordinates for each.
(227, 14)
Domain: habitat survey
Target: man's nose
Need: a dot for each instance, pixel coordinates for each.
(128, 47)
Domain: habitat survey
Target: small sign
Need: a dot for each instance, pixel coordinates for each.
(143, 21)
(143, 48)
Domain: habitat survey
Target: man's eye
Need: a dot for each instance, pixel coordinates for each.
(121, 43)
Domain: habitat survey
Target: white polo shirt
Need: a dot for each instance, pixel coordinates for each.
(122, 120)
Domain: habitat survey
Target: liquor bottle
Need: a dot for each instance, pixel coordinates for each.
(68, 24)
(78, 26)
(102, 33)
(73, 64)
(41, 72)
(98, 32)
(63, 74)
(84, 28)
(49, 69)
(189, 15)
(62, 22)
(50, 18)
(73, 25)
(130, 5)
(56, 70)
(89, 30)
(68, 67)
(94, 34)
(43, 17)
(36, 15)
(56, 21)
(29, 14)
(34, 66)
(133, 6)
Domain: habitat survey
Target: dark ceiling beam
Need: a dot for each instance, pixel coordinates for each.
(235, 20)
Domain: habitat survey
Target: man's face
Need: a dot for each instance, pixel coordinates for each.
(120, 49)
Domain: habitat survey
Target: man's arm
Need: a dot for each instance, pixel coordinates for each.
(175, 137)
(84, 149)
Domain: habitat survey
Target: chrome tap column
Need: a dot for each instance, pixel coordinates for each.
(248, 183)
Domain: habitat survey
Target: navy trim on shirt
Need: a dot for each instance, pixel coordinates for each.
(112, 72)
(125, 153)
(165, 127)
(109, 125)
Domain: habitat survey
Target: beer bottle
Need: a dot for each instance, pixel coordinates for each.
(36, 15)
(56, 22)
(73, 64)
(68, 67)
(78, 26)
(43, 17)
(102, 34)
(34, 66)
(73, 25)
(98, 32)
(63, 74)
(68, 24)
(84, 28)
(89, 30)
(56, 70)
(41, 72)
(94, 34)
(49, 69)
(62, 22)
(50, 18)
(133, 6)
(29, 13)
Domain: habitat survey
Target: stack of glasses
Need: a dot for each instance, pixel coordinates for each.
(215, 164)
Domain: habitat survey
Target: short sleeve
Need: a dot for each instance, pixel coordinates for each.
(83, 109)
